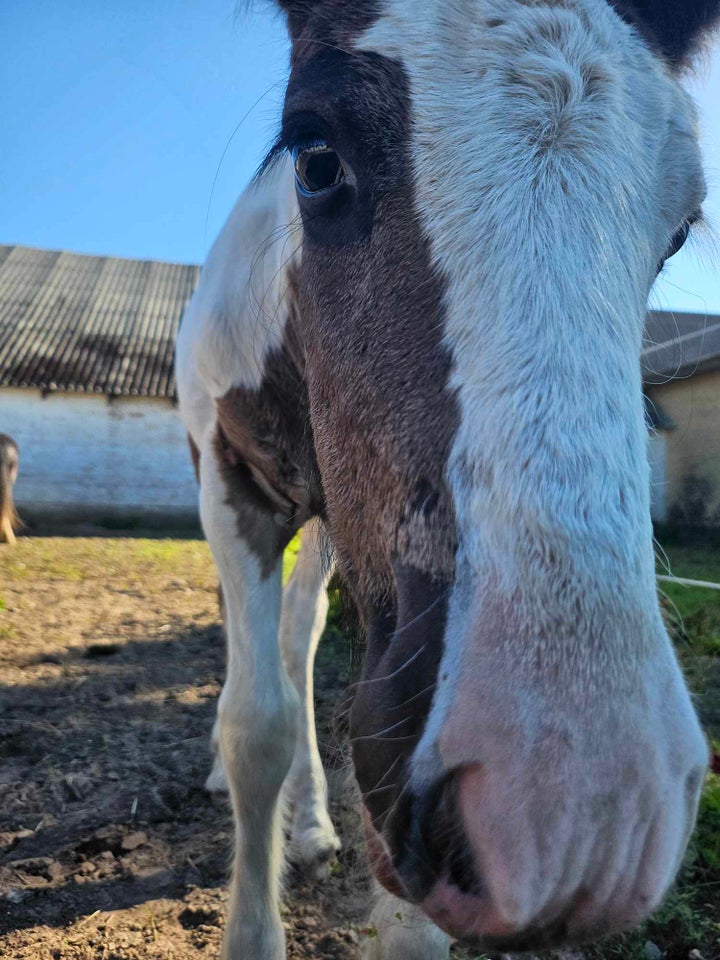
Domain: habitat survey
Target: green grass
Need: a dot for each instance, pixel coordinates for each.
(117, 561)
(291, 552)
(693, 613)
(706, 845)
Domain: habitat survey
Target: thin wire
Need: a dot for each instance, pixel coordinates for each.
(259, 100)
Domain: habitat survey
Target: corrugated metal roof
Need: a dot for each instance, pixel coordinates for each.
(677, 345)
(90, 324)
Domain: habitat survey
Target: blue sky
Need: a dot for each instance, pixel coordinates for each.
(129, 128)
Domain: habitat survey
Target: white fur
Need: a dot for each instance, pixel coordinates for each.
(398, 930)
(554, 158)
(313, 840)
(257, 726)
(265, 728)
(235, 316)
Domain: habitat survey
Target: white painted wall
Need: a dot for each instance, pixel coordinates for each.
(657, 454)
(80, 451)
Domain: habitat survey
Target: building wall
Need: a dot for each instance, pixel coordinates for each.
(657, 455)
(692, 448)
(80, 452)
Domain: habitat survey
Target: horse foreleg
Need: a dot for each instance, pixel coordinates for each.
(401, 931)
(257, 715)
(313, 841)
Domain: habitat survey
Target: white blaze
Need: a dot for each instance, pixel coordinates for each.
(553, 159)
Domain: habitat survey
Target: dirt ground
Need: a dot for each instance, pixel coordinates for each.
(111, 657)
(111, 660)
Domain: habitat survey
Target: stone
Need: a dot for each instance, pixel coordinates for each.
(134, 840)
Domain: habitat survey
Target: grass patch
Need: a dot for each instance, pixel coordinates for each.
(113, 560)
(693, 613)
(290, 557)
(706, 844)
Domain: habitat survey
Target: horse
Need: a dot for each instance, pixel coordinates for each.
(418, 337)
(9, 460)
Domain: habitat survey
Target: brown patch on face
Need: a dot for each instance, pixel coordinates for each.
(318, 22)
(372, 304)
(377, 371)
(382, 414)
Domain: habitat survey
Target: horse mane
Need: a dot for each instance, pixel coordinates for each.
(676, 28)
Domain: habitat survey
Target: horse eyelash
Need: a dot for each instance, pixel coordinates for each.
(281, 145)
(300, 130)
(278, 148)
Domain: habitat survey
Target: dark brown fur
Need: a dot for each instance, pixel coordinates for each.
(675, 28)
(265, 448)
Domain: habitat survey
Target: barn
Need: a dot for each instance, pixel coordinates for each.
(87, 386)
(681, 370)
(87, 389)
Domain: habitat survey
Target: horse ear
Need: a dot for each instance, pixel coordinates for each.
(297, 13)
(676, 27)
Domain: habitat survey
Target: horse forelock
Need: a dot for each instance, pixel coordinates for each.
(675, 29)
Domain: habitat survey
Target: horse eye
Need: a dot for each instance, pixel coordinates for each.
(317, 168)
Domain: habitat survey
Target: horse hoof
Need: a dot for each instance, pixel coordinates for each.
(314, 849)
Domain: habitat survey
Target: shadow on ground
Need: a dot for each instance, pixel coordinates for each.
(102, 762)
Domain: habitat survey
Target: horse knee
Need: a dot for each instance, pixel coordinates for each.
(259, 735)
(304, 615)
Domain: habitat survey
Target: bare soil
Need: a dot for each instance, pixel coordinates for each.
(111, 657)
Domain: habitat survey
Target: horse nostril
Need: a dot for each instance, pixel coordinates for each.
(429, 842)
